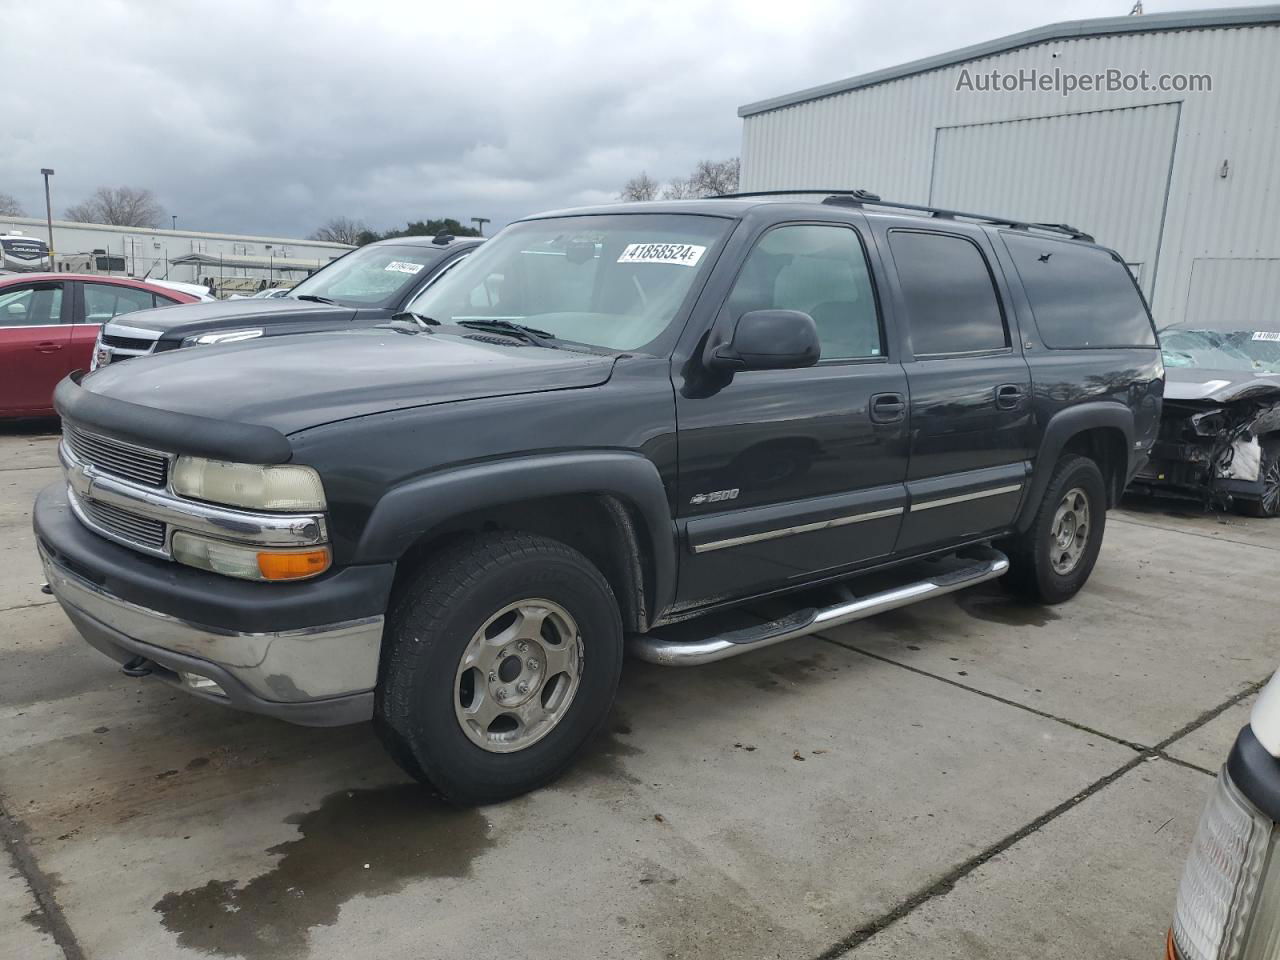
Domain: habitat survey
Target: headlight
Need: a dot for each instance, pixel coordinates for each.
(283, 487)
(1225, 909)
(249, 563)
(221, 336)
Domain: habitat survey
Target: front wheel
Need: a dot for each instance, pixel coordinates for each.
(1051, 561)
(1268, 504)
(501, 659)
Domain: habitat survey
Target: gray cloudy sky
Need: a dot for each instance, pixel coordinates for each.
(269, 117)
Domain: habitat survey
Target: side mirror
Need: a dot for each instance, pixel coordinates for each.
(768, 340)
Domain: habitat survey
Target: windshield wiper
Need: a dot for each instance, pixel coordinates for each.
(419, 318)
(528, 334)
(314, 299)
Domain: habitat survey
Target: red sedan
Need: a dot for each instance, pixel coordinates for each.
(48, 325)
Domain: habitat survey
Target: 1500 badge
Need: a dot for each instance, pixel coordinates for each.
(715, 496)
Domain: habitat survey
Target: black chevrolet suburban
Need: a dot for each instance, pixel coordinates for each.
(366, 286)
(603, 422)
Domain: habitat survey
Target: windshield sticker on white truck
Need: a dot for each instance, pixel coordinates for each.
(1267, 335)
(685, 254)
(400, 266)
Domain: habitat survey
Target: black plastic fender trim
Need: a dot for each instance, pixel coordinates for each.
(166, 429)
(1256, 773)
(412, 509)
(1058, 432)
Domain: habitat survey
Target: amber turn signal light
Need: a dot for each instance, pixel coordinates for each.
(293, 564)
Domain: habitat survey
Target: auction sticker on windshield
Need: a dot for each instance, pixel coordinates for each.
(685, 254)
(401, 266)
(1267, 335)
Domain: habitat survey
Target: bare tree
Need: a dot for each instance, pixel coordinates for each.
(340, 230)
(711, 178)
(678, 188)
(9, 206)
(118, 206)
(640, 187)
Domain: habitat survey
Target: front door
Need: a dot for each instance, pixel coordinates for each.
(35, 334)
(787, 473)
(971, 426)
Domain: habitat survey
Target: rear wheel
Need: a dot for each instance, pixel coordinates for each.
(1052, 560)
(1268, 505)
(502, 658)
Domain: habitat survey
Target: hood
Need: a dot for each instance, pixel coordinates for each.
(291, 383)
(187, 319)
(1217, 386)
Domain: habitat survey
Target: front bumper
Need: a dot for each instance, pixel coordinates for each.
(305, 652)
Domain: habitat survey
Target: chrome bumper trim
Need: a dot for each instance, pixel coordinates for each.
(257, 529)
(309, 663)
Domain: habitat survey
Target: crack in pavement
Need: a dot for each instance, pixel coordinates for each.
(983, 693)
(947, 883)
(27, 606)
(1189, 533)
(40, 884)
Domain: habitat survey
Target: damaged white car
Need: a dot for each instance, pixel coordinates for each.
(1220, 430)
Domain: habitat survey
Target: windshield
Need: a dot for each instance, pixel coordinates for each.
(608, 281)
(1254, 350)
(373, 276)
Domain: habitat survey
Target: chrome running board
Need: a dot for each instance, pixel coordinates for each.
(983, 564)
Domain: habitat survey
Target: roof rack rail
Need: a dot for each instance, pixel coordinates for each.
(858, 198)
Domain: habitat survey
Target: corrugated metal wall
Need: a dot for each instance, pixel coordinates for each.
(889, 138)
(1034, 169)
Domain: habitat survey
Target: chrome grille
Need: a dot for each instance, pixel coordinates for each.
(127, 526)
(121, 459)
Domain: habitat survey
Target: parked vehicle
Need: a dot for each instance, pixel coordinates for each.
(602, 422)
(22, 254)
(1229, 899)
(272, 293)
(368, 285)
(48, 325)
(1220, 436)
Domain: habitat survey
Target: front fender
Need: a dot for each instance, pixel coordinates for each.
(407, 512)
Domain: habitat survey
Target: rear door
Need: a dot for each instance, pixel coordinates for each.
(970, 388)
(787, 474)
(100, 302)
(35, 334)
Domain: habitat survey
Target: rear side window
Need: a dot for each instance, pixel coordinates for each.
(952, 307)
(102, 301)
(1080, 296)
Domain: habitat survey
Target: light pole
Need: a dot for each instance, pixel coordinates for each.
(48, 212)
(480, 222)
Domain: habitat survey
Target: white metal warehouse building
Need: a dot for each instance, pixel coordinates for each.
(1183, 183)
(188, 255)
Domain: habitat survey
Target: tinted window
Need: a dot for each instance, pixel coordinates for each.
(162, 301)
(1080, 296)
(37, 304)
(102, 301)
(818, 270)
(950, 297)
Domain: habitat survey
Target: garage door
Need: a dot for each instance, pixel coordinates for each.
(1106, 172)
(1240, 294)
